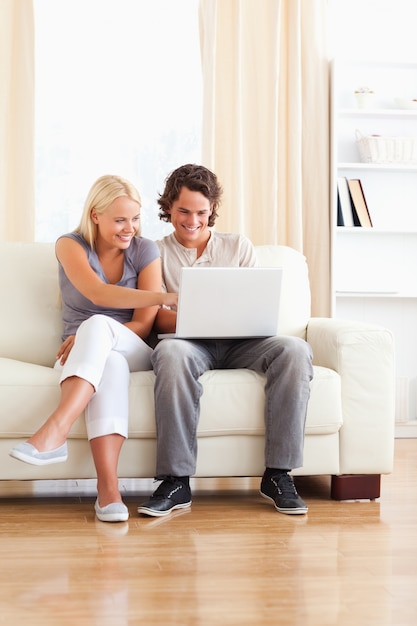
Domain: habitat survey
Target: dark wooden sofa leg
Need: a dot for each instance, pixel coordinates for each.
(356, 487)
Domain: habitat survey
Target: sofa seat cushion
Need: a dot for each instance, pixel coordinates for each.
(28, 393)
(232, 402)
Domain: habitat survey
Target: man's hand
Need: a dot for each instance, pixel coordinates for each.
(65, 349)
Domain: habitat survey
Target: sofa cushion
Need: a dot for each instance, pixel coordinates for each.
(295, 290)
(31, 324)
(232, 402)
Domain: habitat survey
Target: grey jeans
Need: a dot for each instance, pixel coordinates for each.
(178, 364)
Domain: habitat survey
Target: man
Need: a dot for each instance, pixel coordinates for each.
(189, 202)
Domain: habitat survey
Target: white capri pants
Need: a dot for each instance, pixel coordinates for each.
(104, 353)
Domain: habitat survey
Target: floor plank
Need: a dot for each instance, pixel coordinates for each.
(231, 559)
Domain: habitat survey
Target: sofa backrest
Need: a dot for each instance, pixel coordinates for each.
(295, 307)
(31, 325)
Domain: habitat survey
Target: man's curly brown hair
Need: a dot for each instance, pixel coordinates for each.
(195, 178)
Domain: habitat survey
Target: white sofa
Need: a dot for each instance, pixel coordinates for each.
(350, 421)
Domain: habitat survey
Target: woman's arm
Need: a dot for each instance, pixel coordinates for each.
(149, 279)
(65, 348)
(76, 266)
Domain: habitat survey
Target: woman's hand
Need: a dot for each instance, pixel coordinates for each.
(65, 349)
(170, 299)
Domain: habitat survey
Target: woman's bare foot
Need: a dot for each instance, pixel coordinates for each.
(48, 437)
(108, 495)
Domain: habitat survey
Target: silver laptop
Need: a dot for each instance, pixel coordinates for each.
(228, 302)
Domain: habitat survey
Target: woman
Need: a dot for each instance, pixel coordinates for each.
(110, 282)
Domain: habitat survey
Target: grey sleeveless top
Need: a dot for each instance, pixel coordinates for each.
(76, 308)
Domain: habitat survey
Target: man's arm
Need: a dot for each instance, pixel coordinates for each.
(247, 254)
(165, 321)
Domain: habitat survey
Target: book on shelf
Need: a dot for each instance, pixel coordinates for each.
(340, 220)
(345, 214)
(359, 203)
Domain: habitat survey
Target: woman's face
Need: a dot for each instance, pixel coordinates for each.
(118, 223)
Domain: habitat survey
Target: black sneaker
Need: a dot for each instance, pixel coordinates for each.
(171, 494)
(281, 490)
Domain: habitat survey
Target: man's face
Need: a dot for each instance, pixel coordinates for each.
(190, 215)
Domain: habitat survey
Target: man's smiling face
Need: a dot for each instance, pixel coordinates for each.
(190, 215)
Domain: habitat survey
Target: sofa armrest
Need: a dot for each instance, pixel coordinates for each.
(363, 355)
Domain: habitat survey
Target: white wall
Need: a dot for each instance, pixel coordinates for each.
(374, 29)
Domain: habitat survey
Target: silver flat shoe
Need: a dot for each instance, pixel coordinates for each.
(114, 512)
(29, 454)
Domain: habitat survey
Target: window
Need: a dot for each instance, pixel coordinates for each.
(118, 90)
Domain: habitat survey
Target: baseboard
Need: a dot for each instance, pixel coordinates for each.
(406, 430)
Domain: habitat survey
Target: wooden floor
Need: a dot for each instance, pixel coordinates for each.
(230, 560)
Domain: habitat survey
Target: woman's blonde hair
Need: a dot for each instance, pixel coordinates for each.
(103, 192)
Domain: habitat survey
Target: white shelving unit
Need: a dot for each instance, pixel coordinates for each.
(374, 272)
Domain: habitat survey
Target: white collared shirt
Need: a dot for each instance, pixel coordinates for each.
(222, 250)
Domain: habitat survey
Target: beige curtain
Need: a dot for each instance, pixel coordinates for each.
(266, 124)
(17, 209)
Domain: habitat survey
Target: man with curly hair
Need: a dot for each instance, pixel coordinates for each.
(190, 202)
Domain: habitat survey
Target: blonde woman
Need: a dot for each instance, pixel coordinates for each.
(110, 282)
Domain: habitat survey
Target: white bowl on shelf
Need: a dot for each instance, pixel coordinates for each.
(406, 103)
